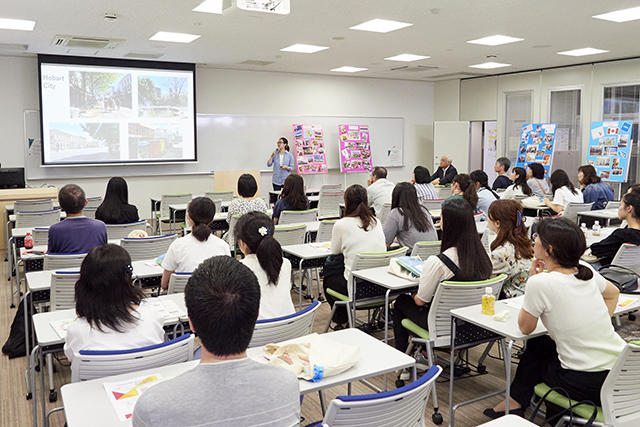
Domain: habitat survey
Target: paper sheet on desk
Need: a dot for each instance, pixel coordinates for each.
(60, 326)
(323, 245)
(124, 395)
(624, 300)
(167, 308)
(514, 302)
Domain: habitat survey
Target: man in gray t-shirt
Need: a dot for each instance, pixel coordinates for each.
(226, 388)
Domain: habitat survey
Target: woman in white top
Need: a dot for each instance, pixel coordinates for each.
(563, 192)
(519, 186)
(263, 255)
(359, 231)
(575, 304)
(463, 258)
(536, 180)
(511, 251)
(186, 253)
(112, 312)
(247, 202)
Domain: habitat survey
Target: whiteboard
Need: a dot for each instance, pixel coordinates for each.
(230, 142)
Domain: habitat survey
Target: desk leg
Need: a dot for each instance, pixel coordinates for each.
(27, 332)
(451, 362)
(301, 283)
(42, 396)
(386, 316)
(32, 382)
(506, 349)
(322, 403)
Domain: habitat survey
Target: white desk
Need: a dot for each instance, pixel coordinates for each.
(606, 214)
(509, 421)
(85, 403)
(604, 233)
(311, 253)
(381, 277)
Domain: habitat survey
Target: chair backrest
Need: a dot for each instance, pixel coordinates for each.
(329, 203)
(40, 236)
(37, 218)
(425, 249)
(612, 205)
(384, 213)
(172, 199)
(330, 187)
(92, 364)
(628, 256)
(451, 295)
(230, 237)
(444, 192)
(404, 406)
(324, 230)
(177, 282)
(63, 289)
(32, 205)
(572, 209)
(90, 212)
(93, 202)
(120, 231)
(433, 204)
(223, 196)
(366, 260)
(620, 393)
(284, 328)
(58, 261)
(293, 217)
(290, 234)
(147, 247)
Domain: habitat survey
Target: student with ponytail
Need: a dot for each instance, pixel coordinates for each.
(186, 253)
(263, 256)
(463, 188)
(575, 304)
(486, 195)
(512, 250)
(358, 231)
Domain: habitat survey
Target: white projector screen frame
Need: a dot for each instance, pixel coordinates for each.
(102, 111)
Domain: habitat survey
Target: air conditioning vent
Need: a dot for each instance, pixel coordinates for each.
(461, 75)
(85, 42)
(143, 55)
(13, 47)
(256, 62)
(414, 68)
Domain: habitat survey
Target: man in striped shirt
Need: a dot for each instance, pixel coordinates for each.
(424, 188)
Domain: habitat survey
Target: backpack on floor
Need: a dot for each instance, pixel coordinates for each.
(15, 344)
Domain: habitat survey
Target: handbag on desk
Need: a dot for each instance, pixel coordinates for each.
(625, 279)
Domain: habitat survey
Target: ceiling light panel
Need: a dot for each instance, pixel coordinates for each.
(303, 48)
(496, 40)
(490, 65)
(406, 57)
(166, 36)
(380, 26)
(624, 15)
(582, 52)
(16, 24)
(348, 69)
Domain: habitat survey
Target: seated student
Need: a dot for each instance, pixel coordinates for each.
(424, 188)
(575, 304)
(486, 195)
(263, 255)
(112, 312)
(463, 188)
(445, 172)
(227, 388)
(536, 180)
(115, 208)
(358, 231)
(563, 192)
(462, 258)
(511, 251)
(247, 202)
(593, 188)
(519, 186)
(408, 221)
(77, 233)
(187, 252)
(292, 197)
(379, 189)
(629, 211)
(501, 167)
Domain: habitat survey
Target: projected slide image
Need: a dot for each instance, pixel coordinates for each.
(160, 96)
(97, 95)
(83, 142)
(155, 141)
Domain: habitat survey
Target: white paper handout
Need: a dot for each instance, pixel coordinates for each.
(60, 326)
(167, 308)
(124, 395)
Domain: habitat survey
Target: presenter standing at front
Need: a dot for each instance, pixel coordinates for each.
(282, 161)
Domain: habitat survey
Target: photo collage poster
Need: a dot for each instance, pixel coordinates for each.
(610, 149)
(355, 148)
(536, 145)
(310, 152)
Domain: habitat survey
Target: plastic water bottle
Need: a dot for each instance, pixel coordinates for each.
(488, 302)
(596, 228)
(28, 241)
(584, 229)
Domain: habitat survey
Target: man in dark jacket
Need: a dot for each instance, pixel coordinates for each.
(445, 173)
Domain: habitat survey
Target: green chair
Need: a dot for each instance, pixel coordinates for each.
(620, 394)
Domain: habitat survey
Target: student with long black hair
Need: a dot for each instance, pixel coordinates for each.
(629, 211)
(112, 312)
(486, 195)
(263, 255)
(536, 179)
(408, 222)
(115, 208)
(520, 187)
(463, 188)
(563, 192)
(187, 252)
(358, 231)
(462, 258)
(292, 197)
(575, 304)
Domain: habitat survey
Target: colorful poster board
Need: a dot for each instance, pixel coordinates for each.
(355, 148)
(536, 145)
(309, 149)
(610, 149)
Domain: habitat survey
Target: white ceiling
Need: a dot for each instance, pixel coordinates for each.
(440, 30)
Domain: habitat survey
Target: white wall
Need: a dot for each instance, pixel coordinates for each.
(244, 92)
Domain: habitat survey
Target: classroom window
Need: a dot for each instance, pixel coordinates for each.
(517, 112)
(623, 103)
(564, 110)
